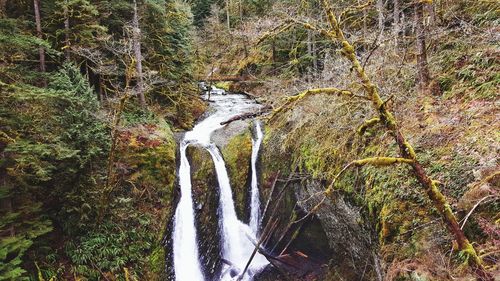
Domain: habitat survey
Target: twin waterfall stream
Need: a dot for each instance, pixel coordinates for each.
(236, 244)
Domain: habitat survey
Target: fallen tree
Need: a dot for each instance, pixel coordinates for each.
(247, 115)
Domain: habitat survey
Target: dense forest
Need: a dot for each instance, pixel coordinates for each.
(381, 129)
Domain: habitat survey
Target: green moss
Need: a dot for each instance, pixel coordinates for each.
(368, 124)
(157, 261)
(150, 154)
(237, 154)
(202, 168)
(223, 85)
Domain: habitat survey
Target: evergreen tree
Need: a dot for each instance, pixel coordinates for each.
(201, 10)
(49, 139)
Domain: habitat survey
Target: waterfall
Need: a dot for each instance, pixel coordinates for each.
(237, 246)
(237, 237)
(184, 237)
(254, 195)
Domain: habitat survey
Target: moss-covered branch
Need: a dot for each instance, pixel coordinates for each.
(311, 92)
(368, 124)
(381, 161)
(275, 31)
(374, 161)
(406, 149)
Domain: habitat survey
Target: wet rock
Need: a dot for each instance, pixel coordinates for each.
(223, 136)
(237, 153)
(206, 197)
(350, 242)
(334, 237)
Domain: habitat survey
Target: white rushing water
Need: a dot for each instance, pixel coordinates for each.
(184, 236)
(254, 195)
(236, 244)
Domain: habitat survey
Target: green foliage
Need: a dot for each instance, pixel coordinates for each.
(134, 114)
(50, 138)
(467, 73)
(55, 138)
(157, 260)
(201, 10)
(168, 39)
(56, 128)
(109, 248)
(480, 12)
(18, 46)
(168, 50)
(19, 227)
(83, 23)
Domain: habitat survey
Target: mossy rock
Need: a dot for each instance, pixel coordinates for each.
(206, 201)
(223, 85)
(147, 167)
(237, 155)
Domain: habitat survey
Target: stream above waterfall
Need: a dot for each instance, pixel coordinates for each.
(237, 238)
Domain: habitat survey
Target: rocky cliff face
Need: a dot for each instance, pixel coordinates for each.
(334, 237)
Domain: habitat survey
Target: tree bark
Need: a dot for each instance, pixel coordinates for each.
(422, 65)
(67, 42)
(315, 54)
(310, 55)
(3, 4)
(240, 8)
(365, 24)
(380, 11)
(397, 23)
(273, 50)
(227, 16)
(431, 11)
(138, 55)
(38, 22)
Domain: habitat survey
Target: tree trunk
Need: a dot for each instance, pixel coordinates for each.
(365, 24)
(3, 4)
(380, 11)
(273, 49)
(309, 54)
(7, 208)
(422, 69)
(240, 8)
(397, 23)
(138, 55)
(67, 43)
(227, 16)
(315, 55)
(38, 22)
(431, 20)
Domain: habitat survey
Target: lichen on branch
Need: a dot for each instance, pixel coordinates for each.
(311, 92)
(368, 124)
